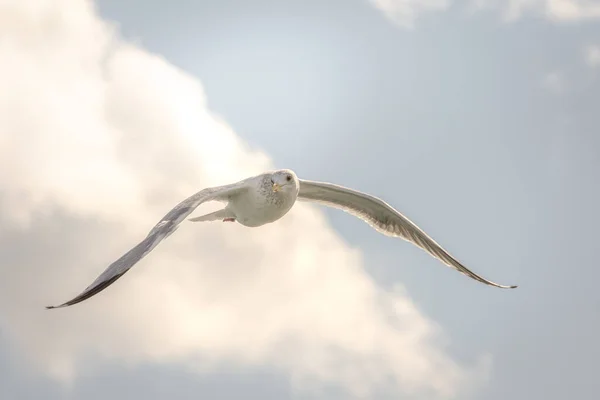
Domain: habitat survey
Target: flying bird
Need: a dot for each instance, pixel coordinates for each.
(264, 199)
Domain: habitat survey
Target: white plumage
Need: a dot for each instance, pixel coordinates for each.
(265, 198)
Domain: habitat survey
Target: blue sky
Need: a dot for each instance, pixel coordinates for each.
(475, 119)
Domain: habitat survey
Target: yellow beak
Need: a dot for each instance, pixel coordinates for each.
(276, 187)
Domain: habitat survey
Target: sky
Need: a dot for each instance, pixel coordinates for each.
(475, 118)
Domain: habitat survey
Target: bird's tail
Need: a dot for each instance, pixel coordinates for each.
(214, 216)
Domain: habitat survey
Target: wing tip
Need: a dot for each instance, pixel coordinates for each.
(507, 286)
(63, 305)
(53, 307)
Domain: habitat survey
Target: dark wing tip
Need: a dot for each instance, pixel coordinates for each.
(505, 286)
(53, 307)
(500, 286)
(67, 304)
(89, 292)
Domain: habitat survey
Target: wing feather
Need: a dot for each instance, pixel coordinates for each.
(383, 218)
(165, 227)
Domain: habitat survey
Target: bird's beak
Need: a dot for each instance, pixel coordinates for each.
(276, 187)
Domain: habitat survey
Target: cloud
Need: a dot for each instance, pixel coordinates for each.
(98, 138)
(405, 12)
(592, 56)
(572, 10)
(554, 10)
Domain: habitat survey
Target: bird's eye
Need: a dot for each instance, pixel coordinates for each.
(288, 178)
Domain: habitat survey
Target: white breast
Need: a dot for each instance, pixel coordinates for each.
(262, 206)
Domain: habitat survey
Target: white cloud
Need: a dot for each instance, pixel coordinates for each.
(592, 56)
(405, 12)
(554, 10)
(572, 10)
(98, 138)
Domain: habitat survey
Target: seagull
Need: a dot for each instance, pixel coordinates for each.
(265, 198)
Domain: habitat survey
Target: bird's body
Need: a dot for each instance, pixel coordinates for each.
(260, 204)
(266, 198)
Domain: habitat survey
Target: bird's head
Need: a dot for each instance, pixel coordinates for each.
(284, 180)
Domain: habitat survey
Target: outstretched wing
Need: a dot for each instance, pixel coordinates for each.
(383, 218)
(165, 227)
